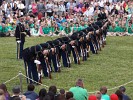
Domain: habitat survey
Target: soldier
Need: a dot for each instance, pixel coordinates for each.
(29, 57)
(74, 45)
(54, 56)
(65, 51)
(20, 37)
(43, 57)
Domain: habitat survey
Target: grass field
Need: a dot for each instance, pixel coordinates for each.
(112, 67)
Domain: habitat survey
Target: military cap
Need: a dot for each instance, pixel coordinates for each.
(85, 30)
(32, 49)
(38, 48)
(65, 40)
(95, 26)
(50, 43)
(59, 39)
(74, 37)
(45, 46)
(57, 43)
(89, 29)
(99, 23)
(81, 34)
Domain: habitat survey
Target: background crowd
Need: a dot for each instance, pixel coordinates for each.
(78, 92)
(55, 17)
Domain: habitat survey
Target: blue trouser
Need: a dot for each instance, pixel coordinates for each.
(44, 67)
(95, 40)
(55, 62)
(20, 50)
(84, 51)
(65, 59)
(32, 71)
(84, 55)
(91, 46)
(78, 48)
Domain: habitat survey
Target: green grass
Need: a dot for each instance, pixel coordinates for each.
(112, 67)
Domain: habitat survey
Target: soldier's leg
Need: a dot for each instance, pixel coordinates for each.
(64, 58)
(54, 60)
(34, 72)
(21, 50)
(29, 71)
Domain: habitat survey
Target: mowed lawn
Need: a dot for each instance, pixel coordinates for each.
(113, 66)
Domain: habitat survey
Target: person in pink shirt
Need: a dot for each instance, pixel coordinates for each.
(77, 9)
(34, 8)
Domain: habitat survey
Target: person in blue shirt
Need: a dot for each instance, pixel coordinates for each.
(123, 90)
(30, 94)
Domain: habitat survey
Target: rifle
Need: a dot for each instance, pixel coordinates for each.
(57, 60)
(73, 44)
(18, 49)
(48, 68)
(77, 55)
(38, 65)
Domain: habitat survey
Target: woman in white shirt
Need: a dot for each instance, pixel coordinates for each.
(21, 7)
(49, 8)
(55, 8)
(62, 8)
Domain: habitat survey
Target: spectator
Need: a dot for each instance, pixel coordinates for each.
(51, 95)
(16, 94)
(98, 95)
(47, 97)
(2, 96)
(119, 94)
(62, 8)
(62, 94)
(103, 91)
(79, 92)
(69, 95)
(42, 94)
(34, 8)
(114, 11)
(40, 7)
(21, 7)
(53, 89)
(123, 90)
(15, 8)
(92, 97)
(49, 8)
(30, 94)
(62, 91)
(113, 97)
(4, 88)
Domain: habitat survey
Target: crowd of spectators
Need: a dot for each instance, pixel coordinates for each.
(55, 17)
(78, 92)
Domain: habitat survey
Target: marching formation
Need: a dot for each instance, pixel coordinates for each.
(46, 57)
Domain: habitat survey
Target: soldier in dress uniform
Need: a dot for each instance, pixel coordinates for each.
(20, 37)
(65, 51)
(43, 57)
(74, 45)
(30, 57)
(54, 56)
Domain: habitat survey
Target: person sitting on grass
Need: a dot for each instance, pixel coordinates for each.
(2, 96)
(30, 94)
(4, 88)
(123, 90)
(119, 94)
(69, 95)
(17, 94)
(42, 94)
(113, 97)
(79, 92)
(103, 91)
